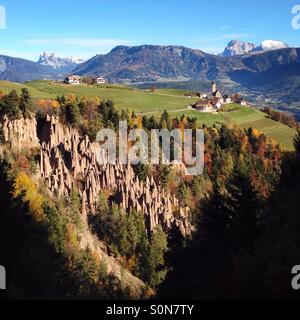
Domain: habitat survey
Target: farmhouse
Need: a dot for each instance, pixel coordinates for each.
(244, 102)
(100, 80)
(74, 80)
(208, 106)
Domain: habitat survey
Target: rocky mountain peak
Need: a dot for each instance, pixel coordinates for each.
(56, 62)
(237, 47)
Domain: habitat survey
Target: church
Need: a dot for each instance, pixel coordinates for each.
(214, 90)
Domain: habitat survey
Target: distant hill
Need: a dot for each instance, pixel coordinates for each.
(21, 70)
(155, 63)
(49, 66)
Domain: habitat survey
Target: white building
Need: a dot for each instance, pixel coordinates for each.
(226, 100)
(74, 80)
(244, 103)
(218, 105)
(100, 80)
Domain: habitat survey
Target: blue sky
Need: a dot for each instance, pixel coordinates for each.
(85, 28)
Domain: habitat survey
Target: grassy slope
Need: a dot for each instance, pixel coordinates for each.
(247, 117)
(123, 97)
(163, 99)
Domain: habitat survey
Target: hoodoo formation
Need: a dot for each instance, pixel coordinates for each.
(69, 160)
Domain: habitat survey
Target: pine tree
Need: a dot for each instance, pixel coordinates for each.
(154, 258)
(11, 105)
(26, 104)
(72, 113)
(216, 221)
(244, 202)
(165, 121)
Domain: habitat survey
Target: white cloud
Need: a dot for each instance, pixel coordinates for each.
(76, 42)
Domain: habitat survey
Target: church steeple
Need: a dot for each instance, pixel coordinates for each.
(214, 88)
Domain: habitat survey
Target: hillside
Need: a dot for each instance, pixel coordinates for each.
(21, 70)
(172, 100)
(80, 227)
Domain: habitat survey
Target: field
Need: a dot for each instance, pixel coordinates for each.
(173, 100)
(123, 97)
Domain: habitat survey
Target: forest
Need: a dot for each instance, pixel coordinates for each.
(244, 210)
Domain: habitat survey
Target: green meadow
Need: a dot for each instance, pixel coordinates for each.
(172, 100)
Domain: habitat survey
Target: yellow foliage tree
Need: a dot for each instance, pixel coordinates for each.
(54, 104)
(27, 191)
(71, 98)
(97, 100)
(255, 133)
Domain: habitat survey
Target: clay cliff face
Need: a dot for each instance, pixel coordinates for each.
(69, 160)
(20, 134)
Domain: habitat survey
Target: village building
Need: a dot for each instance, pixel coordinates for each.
(243, 103)
(208, 106)
(204, 96)
(226, 99)
(216, 103)
(213, 103)
(74, 80)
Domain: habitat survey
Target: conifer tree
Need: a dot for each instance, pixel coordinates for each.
(244, 203)
(72, 113)
(26, 104)
(11, 105)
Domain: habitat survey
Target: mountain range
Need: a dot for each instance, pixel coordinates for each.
(270, 70)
